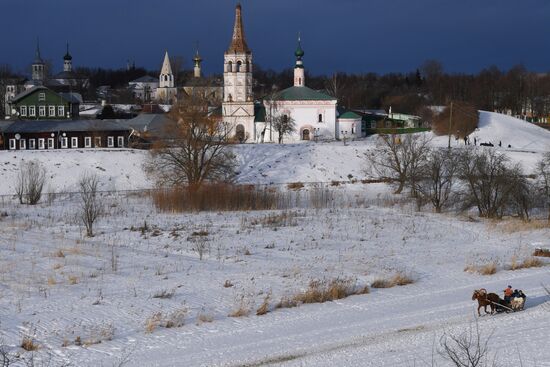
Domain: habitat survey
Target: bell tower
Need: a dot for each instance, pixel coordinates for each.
(38, 65)
(238, 100)
(299, 72)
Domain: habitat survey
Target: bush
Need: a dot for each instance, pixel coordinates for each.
(542, 252)
(30, 182)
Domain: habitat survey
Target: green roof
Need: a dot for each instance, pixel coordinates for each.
(349, 115)
(259, 113)
(301, 94)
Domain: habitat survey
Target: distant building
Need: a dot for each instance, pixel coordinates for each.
(144, 88)
(166, 92)
(40, 103)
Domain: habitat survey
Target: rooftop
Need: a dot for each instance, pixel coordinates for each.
(300, 94)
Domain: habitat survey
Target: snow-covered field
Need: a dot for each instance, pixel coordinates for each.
(69, 292)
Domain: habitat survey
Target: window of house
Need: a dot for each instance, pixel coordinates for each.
(23, 110)
(64, 142)
(87, 142)
(373, 125)
(42, 111)
(51, 111)
(13, 146)
(32, 144)
(50, 143)
(41, 96)
(120, 141)
(22, 144)
(41, 143)
(60, 111)
(97, 141)
(74, 142)
(320, 117)
(32, 111)
(110, 141)
(353, 129)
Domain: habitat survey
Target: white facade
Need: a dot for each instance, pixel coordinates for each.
(314, 120)
(238, 100)
(166, 91)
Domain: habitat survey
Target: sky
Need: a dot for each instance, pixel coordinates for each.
(353, 36)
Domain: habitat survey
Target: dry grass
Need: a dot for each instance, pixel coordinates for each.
(28, 344)
(485, 269)
(176, 318)
(295, 185)
(51, 280)
(204, 317)
(57, 266)
(530, 262)
(517, 225)
(240, 312)
(227, 284)
(541, 252)
(320, 291)
(164, 294)
(73, 279)
(59, 253)
(398, 279)
(216, 198)
(283, 219)
(264, 307)
(152, 322)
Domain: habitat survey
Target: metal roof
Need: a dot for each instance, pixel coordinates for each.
(44, 126)
(301, 94)
(145, 79)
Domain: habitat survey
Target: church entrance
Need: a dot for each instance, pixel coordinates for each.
(305, 134)
(239, 133)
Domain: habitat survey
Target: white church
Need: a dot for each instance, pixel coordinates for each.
(315, 114)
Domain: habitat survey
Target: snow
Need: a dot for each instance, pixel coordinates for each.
(57, 285)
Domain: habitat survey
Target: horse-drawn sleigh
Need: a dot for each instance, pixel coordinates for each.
(497, 304)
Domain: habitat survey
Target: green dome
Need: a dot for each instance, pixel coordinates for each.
(299, 52)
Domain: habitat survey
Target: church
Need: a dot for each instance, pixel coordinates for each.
(314, 115)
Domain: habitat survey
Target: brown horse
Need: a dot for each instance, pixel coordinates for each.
(485, 299)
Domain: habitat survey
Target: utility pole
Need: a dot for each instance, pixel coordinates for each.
(450, 125)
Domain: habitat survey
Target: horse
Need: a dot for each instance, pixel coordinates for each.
(485, 299)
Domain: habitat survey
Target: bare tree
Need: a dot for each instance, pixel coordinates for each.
(398, 158)
(468, 349)
(30, 182)
(543, 180)
(438, 175)
(489, 180)
(91, 207)
(198, 150)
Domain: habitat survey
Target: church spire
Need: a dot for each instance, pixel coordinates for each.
(238, 42)
(197, 60)
(299, 72)
(37, 57)
(166, 67)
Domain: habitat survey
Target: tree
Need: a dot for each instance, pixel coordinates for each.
(543, 180)
(398, 159)
(198, 149)
(490, 181)
(284, 125)
(30, 182)
(91, 208)
(437, 177)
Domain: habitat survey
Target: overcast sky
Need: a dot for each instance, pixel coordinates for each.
(338, 35)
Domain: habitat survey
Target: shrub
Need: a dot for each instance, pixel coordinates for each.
(30, 182)
(204, 317)
(321, 291)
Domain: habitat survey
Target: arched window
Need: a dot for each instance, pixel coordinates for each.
(240, 133)
(239, 66)
(320, 117)
(230, 67)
